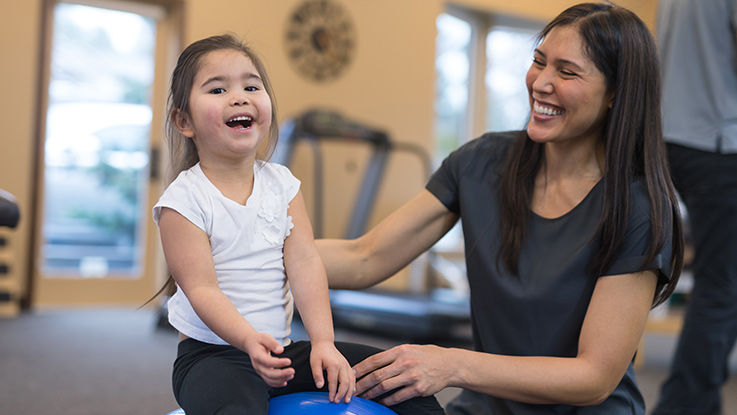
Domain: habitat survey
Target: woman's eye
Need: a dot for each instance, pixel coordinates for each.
(217, 91)
(537, 62)
(567, 73)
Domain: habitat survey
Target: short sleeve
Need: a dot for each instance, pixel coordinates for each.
(288, 182)
(478, 159)
(638, 241)
(444, 182)
(184, 199)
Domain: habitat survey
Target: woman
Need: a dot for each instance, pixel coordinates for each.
(571, 234)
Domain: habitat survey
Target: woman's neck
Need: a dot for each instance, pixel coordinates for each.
(577, 161)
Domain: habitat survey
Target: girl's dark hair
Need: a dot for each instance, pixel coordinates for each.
(182, 150)
(621, 47)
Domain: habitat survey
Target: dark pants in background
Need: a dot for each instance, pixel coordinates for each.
(707, 183)
(215, 379)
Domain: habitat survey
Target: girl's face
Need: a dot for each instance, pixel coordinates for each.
(229, 108)
(568, 94)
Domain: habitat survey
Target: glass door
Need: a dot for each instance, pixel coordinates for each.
(95, 242)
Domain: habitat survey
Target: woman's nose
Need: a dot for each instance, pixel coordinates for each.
(543, 82)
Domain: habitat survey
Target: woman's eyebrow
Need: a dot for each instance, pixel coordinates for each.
(561, 61)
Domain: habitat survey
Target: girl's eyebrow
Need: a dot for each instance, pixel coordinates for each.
(220, 78)
(561, 61)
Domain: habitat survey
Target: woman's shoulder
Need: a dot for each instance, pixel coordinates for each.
(492, 145)
(486, 151)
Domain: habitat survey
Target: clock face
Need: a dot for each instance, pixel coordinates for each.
(320, 39)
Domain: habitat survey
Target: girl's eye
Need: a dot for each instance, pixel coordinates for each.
(251, 88)
(217, 91)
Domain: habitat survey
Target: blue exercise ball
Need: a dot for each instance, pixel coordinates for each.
(317, 403)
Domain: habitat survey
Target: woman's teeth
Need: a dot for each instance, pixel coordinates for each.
(545, 110)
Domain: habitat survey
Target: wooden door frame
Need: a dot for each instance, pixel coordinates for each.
(42, 291)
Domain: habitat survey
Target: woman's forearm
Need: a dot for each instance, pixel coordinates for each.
(533, 379)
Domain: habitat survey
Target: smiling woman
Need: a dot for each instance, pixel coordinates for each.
(566, 224)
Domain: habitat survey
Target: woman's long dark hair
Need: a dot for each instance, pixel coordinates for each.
(621, 47)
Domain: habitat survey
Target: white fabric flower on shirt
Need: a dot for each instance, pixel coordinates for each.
(270, 224)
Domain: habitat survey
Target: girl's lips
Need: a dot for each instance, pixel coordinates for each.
(242, 121)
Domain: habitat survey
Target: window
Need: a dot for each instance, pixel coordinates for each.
(96, 150)
(477, 52)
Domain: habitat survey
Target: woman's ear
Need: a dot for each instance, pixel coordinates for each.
(182, 123)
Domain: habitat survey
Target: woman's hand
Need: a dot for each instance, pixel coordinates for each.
(411, 369)
(275, 371)
(341, 380)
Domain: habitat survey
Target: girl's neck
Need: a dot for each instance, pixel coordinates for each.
(234, 180)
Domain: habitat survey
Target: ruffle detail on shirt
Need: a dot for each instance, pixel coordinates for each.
(290, 225)
(272, 221)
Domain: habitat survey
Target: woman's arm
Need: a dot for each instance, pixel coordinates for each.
(187, 252)
(309, 285)
(612, 328)
(388, 247)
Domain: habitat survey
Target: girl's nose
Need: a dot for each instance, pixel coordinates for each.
(239, 98)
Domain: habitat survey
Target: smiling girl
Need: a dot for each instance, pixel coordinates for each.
(239, 245)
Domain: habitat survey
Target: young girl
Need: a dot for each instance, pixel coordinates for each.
(239, 245)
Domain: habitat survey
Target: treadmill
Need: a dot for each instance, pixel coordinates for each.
(433, 313)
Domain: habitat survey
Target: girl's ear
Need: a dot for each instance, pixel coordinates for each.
(182, 123)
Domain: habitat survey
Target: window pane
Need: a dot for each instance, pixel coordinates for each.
(508, 54)
(453, 67)
(97, 141)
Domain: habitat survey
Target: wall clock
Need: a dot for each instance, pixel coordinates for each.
(320, 39)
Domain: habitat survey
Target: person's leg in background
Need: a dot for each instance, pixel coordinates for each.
(707, 183)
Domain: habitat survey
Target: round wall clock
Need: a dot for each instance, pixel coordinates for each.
(320, 39)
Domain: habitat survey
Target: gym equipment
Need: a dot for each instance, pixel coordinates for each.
(9, 212)
(428, 315)
(317, 403)
(321, 125)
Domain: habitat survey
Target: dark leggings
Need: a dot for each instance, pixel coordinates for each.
(215, 379)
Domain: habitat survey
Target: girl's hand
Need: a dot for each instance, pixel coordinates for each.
(275, 371)
(341, 379)
(411, 369)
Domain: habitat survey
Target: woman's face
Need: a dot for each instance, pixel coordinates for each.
(568, 94)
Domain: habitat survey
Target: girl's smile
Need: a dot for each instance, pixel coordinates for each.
(229, 109)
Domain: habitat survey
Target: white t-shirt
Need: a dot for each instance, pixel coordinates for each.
(247, 244)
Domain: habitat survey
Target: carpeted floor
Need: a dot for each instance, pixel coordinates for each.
(116, 362)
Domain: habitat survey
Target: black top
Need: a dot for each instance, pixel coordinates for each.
(541, 311)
